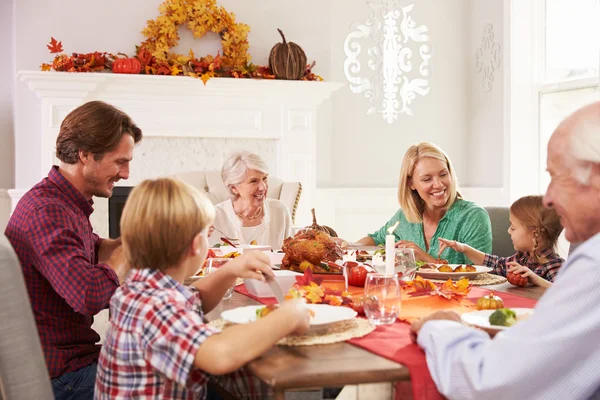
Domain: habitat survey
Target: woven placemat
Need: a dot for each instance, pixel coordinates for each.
(339, 332)
(481, 280)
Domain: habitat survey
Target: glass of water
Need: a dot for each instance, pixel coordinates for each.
(405, 265)
(213, 265)
(383, 298)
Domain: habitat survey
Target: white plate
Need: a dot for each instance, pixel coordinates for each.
(434, 274)
(481, 319)
(324, 314)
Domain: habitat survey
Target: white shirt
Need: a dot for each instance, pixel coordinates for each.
(555, 354)
(277, 223)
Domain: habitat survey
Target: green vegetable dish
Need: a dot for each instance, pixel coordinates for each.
(503, 317)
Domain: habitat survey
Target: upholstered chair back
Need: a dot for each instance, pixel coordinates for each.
(210, 182)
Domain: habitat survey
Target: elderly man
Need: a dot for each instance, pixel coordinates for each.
(69, 271)
(555, 353)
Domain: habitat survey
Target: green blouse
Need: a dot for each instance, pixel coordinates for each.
(465, 222)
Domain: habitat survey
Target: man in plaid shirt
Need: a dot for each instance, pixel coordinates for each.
(157, 345)
(69, 271)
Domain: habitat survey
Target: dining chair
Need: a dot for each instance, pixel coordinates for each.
(23, 372)
(501, 243)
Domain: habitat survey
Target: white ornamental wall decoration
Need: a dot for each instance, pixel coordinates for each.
(391, 81)
(487, 58)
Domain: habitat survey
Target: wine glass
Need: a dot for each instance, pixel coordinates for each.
(383, 298)
(405, 265)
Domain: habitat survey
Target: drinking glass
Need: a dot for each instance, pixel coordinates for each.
(213, 265)
(405, 265)
(383, 298)
(347, 270)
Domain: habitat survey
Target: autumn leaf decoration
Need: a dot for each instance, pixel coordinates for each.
(449, 290)
(309, 287)
(156, 57)
(54, 46)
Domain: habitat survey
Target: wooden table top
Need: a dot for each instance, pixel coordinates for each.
(331, 365)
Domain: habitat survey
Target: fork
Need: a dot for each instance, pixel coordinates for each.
(224, 235)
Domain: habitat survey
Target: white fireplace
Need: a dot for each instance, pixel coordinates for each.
(190, 126)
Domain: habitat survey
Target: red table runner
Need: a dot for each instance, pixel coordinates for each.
(393, 342)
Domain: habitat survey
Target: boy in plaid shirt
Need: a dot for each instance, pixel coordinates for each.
(157, 345)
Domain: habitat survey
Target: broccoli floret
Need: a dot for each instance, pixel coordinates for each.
(503, 317)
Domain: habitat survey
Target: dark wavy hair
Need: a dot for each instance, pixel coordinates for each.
(96, 127)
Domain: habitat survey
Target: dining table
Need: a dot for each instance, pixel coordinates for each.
(286, 368)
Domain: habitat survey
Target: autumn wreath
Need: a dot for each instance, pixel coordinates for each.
(155, 56)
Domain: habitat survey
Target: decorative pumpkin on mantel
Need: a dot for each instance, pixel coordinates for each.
(287, 60)
(126, 65)
(490, 302)
(322, 228)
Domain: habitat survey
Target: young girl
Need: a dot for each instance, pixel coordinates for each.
(157, 345)
(534, 231)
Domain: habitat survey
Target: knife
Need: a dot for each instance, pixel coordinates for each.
(275, 288)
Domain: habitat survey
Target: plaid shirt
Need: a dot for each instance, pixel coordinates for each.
(51, 233)
(155, 331)
(547, 270)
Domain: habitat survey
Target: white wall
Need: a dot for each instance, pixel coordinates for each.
(7, 74)
(356, 152)
(486, 120)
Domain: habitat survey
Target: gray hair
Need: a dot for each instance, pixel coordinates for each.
(584, 141)
(235, 167)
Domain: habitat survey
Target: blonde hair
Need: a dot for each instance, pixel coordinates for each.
(235, 167)
(410, 202)
(160, 220)
(543, 222)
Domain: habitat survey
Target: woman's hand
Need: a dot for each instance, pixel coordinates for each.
(416, 326)
(420, 254)
(251, 265)
(211, 229)
(453, 244)
(533, 278)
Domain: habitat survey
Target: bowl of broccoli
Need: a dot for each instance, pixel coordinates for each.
(494, 321)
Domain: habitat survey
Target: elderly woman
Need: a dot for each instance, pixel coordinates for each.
(431, 207)
(249, 215)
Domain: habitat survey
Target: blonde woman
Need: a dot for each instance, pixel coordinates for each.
(431, 207)
(249, 215)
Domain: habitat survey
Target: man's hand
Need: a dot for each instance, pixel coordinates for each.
(107, 246)
(416, 326)
(118, 264)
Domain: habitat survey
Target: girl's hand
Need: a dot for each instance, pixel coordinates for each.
(420, 254)
(453, 244)
(531, 276)
(251, 265)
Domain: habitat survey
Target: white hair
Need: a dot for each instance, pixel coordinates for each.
(585, 141)
(235, 167)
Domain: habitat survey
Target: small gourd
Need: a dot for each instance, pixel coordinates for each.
(287, 60)
(322, 228)
(490, 302)
(517, 279)
(127, 65)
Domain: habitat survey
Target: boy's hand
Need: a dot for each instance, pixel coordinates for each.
(453, 244)
(251, 265)
(298, 312)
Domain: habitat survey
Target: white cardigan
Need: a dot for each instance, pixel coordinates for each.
(276, 218)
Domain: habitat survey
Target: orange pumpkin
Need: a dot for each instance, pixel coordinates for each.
(126, 66)
(517, 279)
(490, 302)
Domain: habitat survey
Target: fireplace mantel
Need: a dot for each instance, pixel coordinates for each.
(282, 113)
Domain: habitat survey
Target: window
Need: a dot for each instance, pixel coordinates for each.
(568, 66)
